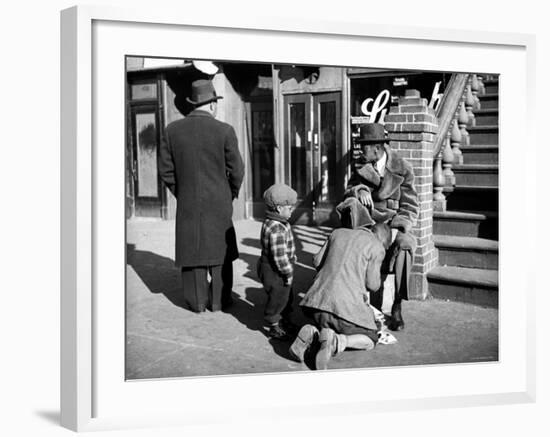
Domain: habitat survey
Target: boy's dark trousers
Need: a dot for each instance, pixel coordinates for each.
(279, 295)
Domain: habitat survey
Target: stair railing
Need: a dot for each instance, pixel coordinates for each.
(454, 114)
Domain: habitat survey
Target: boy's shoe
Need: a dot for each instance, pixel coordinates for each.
(277, 332)
(305, 338)
(227, 302)
(327, 342)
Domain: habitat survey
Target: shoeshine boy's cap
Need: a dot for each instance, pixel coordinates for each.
(280, 195)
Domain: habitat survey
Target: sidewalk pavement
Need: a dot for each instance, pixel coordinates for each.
(165, 340)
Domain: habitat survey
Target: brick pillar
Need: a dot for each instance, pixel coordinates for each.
(412, 126)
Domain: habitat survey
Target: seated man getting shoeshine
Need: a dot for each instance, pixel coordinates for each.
(381, 191)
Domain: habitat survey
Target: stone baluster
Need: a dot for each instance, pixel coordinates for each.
(444, 179)
(475, 91)
(469, 103)
(447, 160)
(481, 85)
(439, 202)
(456, 141)
(463, 120)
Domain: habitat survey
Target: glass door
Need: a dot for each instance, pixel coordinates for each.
(327, 165)
(298, 153)
(313, 164)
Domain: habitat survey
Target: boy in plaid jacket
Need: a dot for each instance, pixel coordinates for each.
(276, 264)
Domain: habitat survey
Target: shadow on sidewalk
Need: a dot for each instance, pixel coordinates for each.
(249, 311)
(158, 273)
(304, 271)
(304, 274)
(249, 308)
(251, 242)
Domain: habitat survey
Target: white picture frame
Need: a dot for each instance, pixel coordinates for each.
(93, 396)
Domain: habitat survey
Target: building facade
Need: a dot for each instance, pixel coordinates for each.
(295, 124)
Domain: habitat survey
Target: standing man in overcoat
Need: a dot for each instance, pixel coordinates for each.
(381, 190)
(201, 165)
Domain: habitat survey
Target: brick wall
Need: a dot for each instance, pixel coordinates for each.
(412, 126)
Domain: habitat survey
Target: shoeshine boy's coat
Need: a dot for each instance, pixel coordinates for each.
(348, 267)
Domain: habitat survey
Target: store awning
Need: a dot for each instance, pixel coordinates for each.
(160, 65)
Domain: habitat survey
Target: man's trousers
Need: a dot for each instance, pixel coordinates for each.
(399, 257)
(200, 294)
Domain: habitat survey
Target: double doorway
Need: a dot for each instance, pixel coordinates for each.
(315, 165)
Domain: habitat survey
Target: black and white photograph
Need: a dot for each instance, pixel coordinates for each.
(305, 218)
(275, 219)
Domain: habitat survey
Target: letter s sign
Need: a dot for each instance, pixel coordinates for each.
(377, 106)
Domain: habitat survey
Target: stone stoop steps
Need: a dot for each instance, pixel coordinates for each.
(466, 235)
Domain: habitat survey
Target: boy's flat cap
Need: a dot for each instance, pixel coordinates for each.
(280, 195)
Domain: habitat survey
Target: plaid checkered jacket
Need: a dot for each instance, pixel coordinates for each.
(278, 245)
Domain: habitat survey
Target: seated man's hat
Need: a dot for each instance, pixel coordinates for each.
(202, 91)
(372, 133)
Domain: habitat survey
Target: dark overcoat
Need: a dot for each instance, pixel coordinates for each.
(201, 165)
(348, 267)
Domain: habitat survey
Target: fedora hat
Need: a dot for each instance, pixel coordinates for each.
(202, 91)
(372, 133)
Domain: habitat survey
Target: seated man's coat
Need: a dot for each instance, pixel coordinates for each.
(394, 196)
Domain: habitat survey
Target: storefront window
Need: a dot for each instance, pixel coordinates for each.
(375, 93)
(142, 91)
(372, 95)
